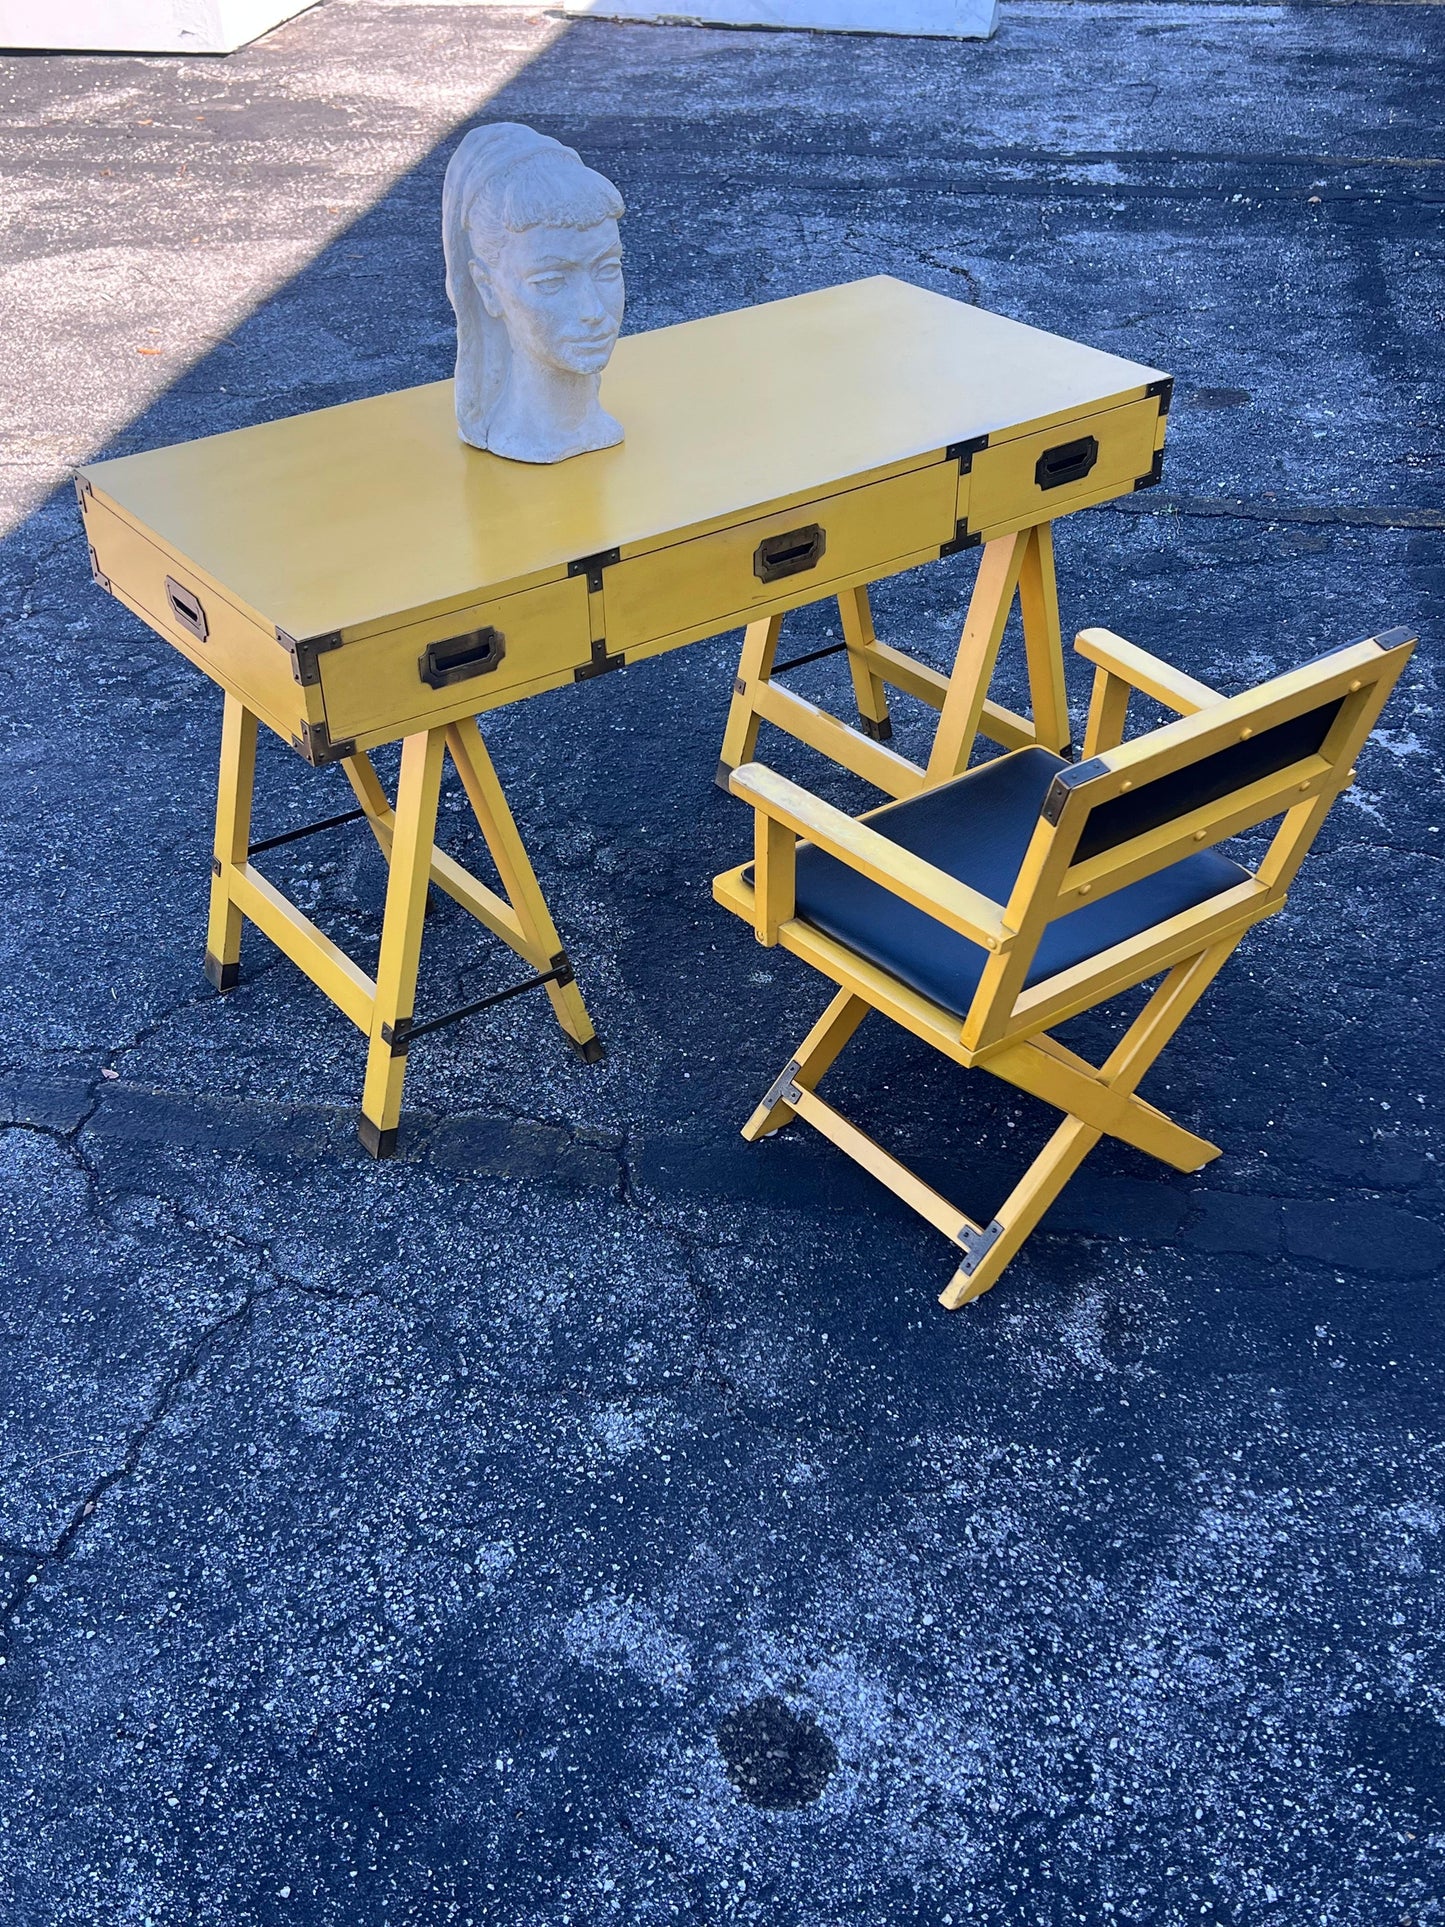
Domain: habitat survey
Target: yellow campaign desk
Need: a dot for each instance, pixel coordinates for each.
(358, 575)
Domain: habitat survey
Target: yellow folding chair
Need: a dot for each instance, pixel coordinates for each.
(983, 912)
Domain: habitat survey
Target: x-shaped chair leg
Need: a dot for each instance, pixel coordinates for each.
(807, 1064)
(1099, 1103)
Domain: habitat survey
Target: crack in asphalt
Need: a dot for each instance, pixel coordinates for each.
(1238, 509)
(12, 1604)
(275, 1283)
(706, 1369)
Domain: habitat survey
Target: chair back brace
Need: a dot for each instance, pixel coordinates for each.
(1283, 750)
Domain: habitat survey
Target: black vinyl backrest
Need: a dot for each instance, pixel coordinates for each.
(1219, 774)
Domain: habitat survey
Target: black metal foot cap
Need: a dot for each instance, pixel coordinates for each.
(881, 731)
(381, 1144)
(225, 976)
(591, 1052)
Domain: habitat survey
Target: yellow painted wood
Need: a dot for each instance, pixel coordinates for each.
(856, 616)
(884, 768)
(1138, 669)
(913, 678)
(1070, 1084)
(376, 684)
(1002, 492)
(328, 967)
(460, 885)
(413, 834)
(1069, 992)
(811, 1060)
(1108, 714)
(239, 653)
(374, 512)
(899, 671)
(755, 665)
(540, 942)
(993, 593)
(875, 856)
(366, 787)
(1026, 1204)
(864, 1150)
(1077, 1136)
(1043, 646)
(775, 870)
(969, 712)
(713, 579)
(234, 789)
(799, 594)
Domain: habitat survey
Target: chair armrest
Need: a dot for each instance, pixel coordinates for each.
(1146, 673)
(888, 864)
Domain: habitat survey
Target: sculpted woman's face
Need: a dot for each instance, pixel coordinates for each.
(559, 293)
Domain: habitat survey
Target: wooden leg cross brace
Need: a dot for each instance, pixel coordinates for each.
(383, 1007)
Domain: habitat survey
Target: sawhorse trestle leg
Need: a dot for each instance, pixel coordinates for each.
(383, 1007)
(235, 788)
(1019, 565)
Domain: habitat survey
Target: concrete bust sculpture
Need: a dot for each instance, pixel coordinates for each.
(534, 272)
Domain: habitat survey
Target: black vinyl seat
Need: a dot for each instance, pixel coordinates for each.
(977, 828)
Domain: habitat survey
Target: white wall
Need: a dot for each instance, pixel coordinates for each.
(142, 26)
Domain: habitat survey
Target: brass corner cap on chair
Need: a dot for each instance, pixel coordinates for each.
(1069, 780)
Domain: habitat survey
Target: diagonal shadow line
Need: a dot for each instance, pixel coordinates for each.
(326, 306)
(367, 314)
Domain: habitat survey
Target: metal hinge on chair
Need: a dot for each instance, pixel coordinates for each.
(783, 1090)
(1066, 782)
(976, 1243)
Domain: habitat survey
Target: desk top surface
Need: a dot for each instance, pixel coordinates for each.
(374, 509)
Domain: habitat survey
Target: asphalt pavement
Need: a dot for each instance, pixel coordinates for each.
(587, 1516)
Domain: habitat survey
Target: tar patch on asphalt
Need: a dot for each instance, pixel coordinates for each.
(774, 1757)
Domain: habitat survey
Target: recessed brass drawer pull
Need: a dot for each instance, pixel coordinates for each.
(790, 553)
(461, 656)
(187, 610)
(1066, 462)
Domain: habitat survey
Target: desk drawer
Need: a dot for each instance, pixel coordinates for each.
(777, 561)
(232, 648)
(454, 665)
(1013, 484)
